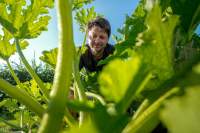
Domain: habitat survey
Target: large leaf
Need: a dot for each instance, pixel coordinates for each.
(6, 47)
(117, 76)
(181, 114)
(50, 57)
(23, 20)
(156, 45)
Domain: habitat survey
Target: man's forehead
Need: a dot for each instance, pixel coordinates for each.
(97, 29)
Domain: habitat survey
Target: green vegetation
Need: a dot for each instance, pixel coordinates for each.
(157, 83)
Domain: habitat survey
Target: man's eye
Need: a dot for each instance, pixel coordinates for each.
(102, 37)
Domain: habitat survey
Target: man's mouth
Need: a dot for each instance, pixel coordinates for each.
(97, 46)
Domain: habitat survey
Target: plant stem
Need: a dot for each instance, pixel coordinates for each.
(141, 108)
(84, 42)
(151, 111)
(21, 119)
(79, 86)
(137, 125)
(192, 24)
(31, 71)
(52, 119)
(69, 118)
(98, 97)
(13, 74)
(135, 87)
(11, 124)
(81, 95)
(22, 96)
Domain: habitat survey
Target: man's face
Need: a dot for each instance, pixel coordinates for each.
(97, 39)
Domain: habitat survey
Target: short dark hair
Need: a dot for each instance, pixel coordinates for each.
(100, 22)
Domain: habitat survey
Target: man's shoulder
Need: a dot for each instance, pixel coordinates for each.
(110, 48)
(110, 45)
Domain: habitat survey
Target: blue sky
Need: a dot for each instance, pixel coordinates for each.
(114, 10)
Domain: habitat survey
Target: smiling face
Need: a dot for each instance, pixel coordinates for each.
(97, 39)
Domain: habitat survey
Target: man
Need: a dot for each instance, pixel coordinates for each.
(99, 31)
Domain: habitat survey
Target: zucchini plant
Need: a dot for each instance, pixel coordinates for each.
(158, 77)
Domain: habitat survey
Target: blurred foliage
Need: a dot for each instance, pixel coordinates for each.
(50, 57)
(77, 4)
(45, 72)
(25, 21)
(7, 49)
(10, 109)
(153, 75)
(181, 114)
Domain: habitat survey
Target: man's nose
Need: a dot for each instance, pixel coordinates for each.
(97, 40)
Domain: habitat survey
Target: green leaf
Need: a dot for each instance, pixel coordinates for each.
(50, 57)
(32, 30)
(196, 69)
(23, 20)
(184, 41)
(7, 49)
(181, 114)
(107, 120)
(14, 17)
(132, 26)
(87, 127)
(83, 16)
(77, 4)
(117, 76)
(102, 119)
(155, 45)
(89, 81)
(5, 19)
(32, 88)
(148, 119)
(11, 105)
(3, 102)
(189, 12)
(8, 25)
(10, 124)
(22, 96)
(28, 118)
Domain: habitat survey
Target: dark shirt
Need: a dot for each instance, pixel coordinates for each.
(88, 61)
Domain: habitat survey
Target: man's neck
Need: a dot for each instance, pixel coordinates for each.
(97, 55)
